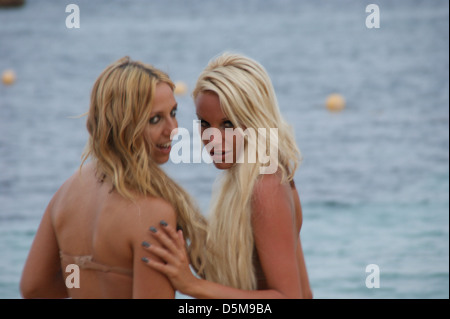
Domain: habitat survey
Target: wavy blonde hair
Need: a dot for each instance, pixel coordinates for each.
(120, 107)
(248, 99)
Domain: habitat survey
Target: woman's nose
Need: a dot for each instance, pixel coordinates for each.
(213, 136)
(171, 126)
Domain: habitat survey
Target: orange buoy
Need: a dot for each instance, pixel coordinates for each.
(8, 77)
(335, 102)
(180, 88)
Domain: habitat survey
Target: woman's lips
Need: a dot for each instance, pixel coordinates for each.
(165, 147)
(219, 155)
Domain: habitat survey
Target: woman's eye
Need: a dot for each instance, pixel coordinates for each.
(228, 124)
(204, 123)
(173, 113)
(154, 119)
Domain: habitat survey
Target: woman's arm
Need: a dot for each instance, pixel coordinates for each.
(42, 275)
(306, 288)
(275, 240)
(175, 266)
(149, 284)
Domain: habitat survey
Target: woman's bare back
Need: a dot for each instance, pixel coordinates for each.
(94, 222)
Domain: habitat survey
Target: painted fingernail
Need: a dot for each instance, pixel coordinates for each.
(144, 259)
(145, 244)
(163, 223)
(179, 227)
(153, 229)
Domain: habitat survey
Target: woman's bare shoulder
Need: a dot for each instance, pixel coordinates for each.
(150, 211)
(271, 194)
(268, 186)
(69, 189)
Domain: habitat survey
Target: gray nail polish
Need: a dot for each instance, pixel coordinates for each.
(153, 229)
(144, 259)
(163, 223)
(145, 244)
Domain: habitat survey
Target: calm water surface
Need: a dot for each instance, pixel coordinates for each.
(374, 181)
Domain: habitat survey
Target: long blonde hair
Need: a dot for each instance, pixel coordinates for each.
(120, 107)
(248, 99)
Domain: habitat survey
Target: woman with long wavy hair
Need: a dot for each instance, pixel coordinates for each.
(253, 247)
(96, 220)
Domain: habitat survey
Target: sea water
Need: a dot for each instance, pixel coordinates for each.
(374, 181)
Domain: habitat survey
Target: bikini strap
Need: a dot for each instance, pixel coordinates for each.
(86, 262)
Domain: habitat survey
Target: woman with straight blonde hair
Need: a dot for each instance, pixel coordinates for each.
(89, 242)
(253, 247)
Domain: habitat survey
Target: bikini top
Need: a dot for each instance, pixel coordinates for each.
(86, 262)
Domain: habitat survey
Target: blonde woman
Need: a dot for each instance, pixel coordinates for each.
(89, 242)
(253, 247)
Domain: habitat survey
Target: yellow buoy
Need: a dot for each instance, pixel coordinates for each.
(180, 88)
(8, 77)
(335, 102)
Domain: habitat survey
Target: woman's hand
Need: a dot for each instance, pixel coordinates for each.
(174, 259)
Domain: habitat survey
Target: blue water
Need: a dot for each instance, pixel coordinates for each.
(374, 182)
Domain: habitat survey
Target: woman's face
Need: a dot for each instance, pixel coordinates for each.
(162, 122)
(222, 151)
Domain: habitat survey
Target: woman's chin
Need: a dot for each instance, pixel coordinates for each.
(161, 159)
(223, 165)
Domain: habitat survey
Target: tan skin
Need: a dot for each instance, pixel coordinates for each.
(276, 222)
(105, 225)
